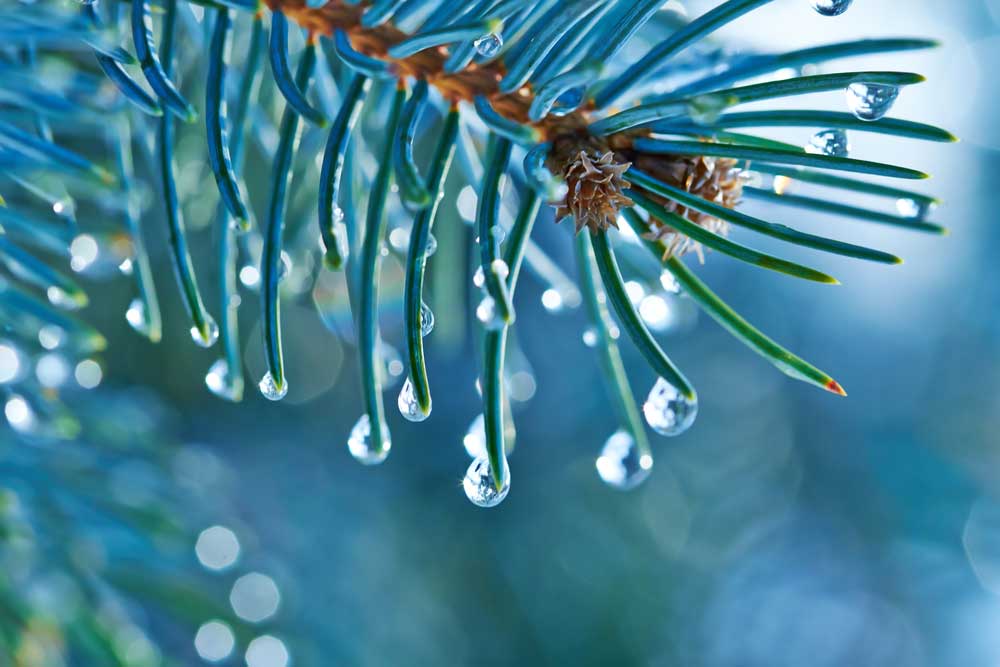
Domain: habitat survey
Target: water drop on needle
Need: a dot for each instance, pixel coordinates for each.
(479, 487)
(871, 101)
(360, 444)
(621, 464)
(667, 411)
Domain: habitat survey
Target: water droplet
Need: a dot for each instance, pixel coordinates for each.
(871, 101)
(285, 267)
(479, 487)
(831, 7)
(408, 406)
(360, 443)
(426, 319)
(431, 247)
(667, 411)
(126, 266)
(621, 464)
(590, 337)
(222, 383)
(209, 336)
(62, 299)
(479, 277)
(829, 142)
(136, 316)
(914, 209)
(488, 45)
(569, 100)
(486, 312)
(270, 390)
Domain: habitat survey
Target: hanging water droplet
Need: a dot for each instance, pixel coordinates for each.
(621, 464)
(426, 319)
(479, 487)
(831, 7)
(207, 337)
(590, 337)
(136, 316)
(126, 266)
(408, 405)
(269, 388)
(829, 142)
(432, 245)
(488, 45)
(914, 209)
(568, 101)
(474, 439)
(871, 101)
(62, 299)
(360, 443)
(500, 269)
(486, 312)
(667, 411)
(222, 383)
(479, 277)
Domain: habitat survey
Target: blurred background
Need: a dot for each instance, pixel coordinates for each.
(788, 527)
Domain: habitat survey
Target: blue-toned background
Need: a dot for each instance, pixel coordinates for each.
(787, 528)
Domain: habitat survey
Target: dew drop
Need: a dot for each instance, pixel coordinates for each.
(431, 247)
(408, 405)
(667, 411)
(479, 277)
(479, 487)
(210, 335)
(222, 383)
(126, 267)
(621, 464)
(270, 390)
(871, 101)
(829, 142)
(426, 319)
(360, 443)
(488, 45)
(569, 101)
(474, 439)
(830, 7)
(285, 267)
(913, 209)
(590, 337)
